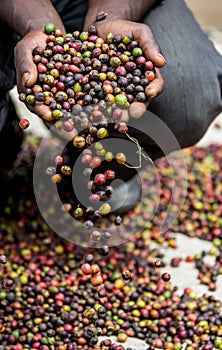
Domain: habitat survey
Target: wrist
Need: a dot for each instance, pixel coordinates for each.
(111, 10)
(129, 10)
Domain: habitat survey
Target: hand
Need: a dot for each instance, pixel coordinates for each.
(26, 70)
(27, 74)
(143, 35)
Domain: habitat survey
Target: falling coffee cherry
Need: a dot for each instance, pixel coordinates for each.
(104, 250)
(24, 123)
(118, 220)
(89, 258)
(100, 179)
(110, 174)
(58, 160)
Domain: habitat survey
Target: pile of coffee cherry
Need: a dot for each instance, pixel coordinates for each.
(82, 69)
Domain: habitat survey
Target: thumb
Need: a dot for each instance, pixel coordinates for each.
(26, 79)
(26, 69)
(26, 72)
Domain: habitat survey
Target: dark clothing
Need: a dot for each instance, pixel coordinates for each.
(193, 74)
(72, 13)
(192, 97)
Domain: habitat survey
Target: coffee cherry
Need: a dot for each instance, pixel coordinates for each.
(158, 263)
(109, 156)
(100, 179)
(96, 280)
(110, 174)
(104, 250)
(149, 65)
(24, 123)
(108, 191)
(95, 162)
(102, 133)
(95, 236)
(7, 283)
(79, 141)
(56, 178)
(49, 28)
(118, 220)
(58, 160)
(3, 259)
(165, 277)
(66, 170)
(78, 212)
(105, 209)
(126, 275)
(94, 197)
(121, 99)
(120, 158)
(86, 269)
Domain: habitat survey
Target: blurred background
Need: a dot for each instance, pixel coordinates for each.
(209, 15)
(207, 12)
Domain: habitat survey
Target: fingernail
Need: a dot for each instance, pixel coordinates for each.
(25, 78)
(151, 92)
(162, 58)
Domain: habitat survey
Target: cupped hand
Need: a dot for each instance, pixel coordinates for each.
(143, 35)
(26, 70)
(27, 75)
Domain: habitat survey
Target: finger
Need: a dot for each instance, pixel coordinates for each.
(137, 109)
(42, 111)
(156, 86)
(26, 70)
(48, 124)
(109, 27)
(147, 42)
(125, 116)
(67, 135)
(57, 130)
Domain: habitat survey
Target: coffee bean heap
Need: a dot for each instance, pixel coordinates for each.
(50, 302)
(53, 304)
(82, 69)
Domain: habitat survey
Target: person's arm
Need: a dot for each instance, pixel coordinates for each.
(130, 10)
(28, 18)
(24, 16)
